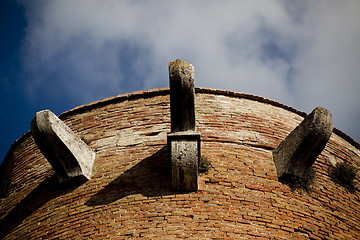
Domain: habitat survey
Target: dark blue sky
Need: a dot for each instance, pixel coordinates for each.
(14, 107)
(61, 54)
(17, 109)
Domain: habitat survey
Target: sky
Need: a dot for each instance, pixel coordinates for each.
(61, 54)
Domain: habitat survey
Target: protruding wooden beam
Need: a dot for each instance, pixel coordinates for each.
(183, 141)
(182, 96)
(66, 152)
(298, 151)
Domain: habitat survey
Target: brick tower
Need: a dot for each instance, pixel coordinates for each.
(144, 180)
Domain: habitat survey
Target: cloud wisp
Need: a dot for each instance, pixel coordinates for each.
(303, 54)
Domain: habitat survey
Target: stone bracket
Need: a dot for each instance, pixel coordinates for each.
(184, 157)
(69, 156)
(296, 154)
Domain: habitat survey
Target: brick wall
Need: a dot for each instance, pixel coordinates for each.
(130, 196)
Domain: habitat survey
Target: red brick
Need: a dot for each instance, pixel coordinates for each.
(240, 196)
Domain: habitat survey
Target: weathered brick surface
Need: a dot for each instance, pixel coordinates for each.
(129, 195)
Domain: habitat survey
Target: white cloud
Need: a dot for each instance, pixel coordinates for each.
(328, 73)
(303, 54)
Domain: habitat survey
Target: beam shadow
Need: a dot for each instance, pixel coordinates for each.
(150, 177)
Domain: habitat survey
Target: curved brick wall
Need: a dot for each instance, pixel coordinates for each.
(130, 195)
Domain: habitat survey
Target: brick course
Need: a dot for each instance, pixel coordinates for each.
(129, 195)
